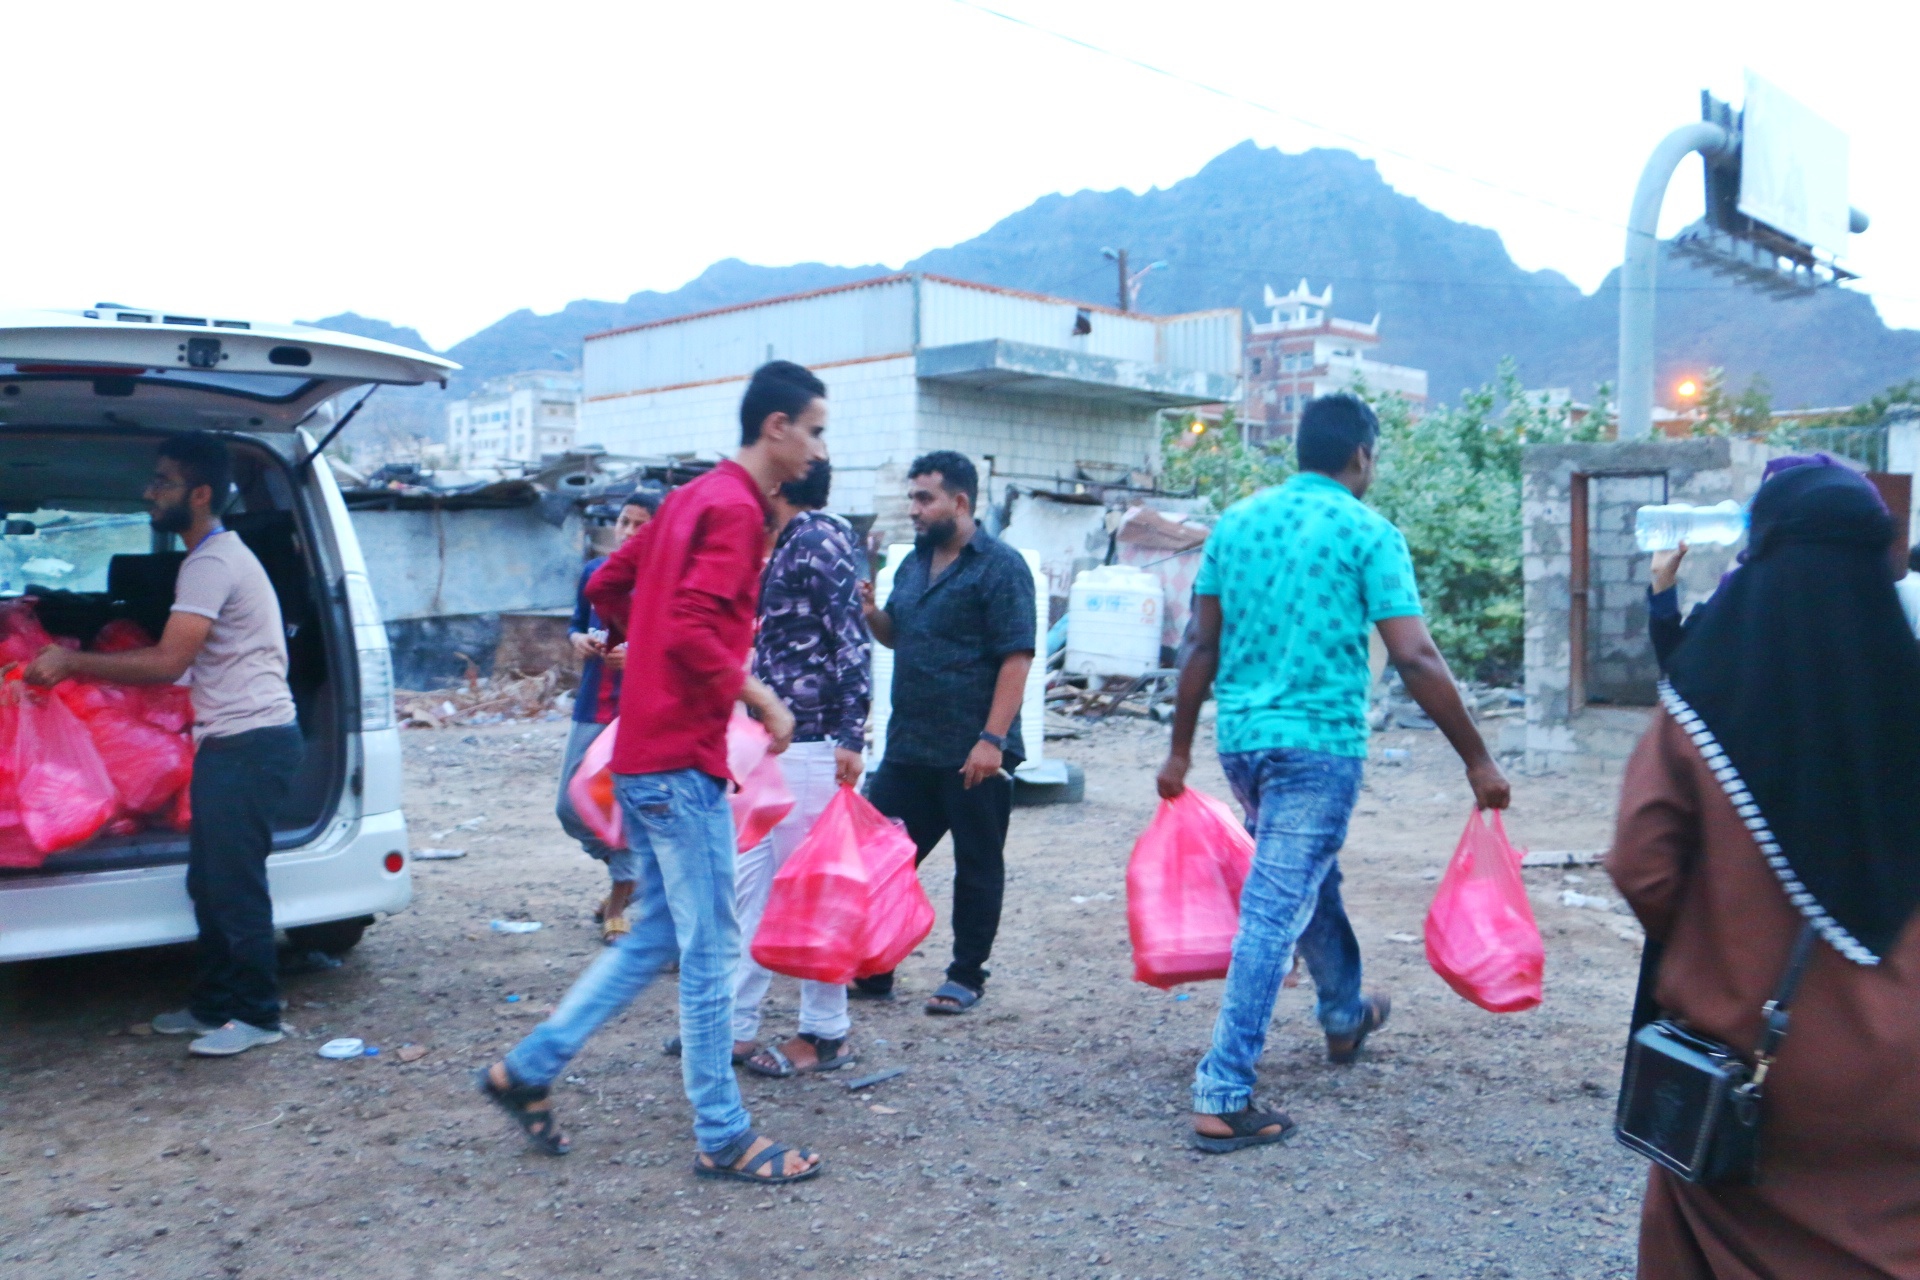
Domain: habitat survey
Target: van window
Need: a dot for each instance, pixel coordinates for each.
(69, 550)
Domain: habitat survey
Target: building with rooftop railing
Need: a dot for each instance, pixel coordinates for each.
(1040, 392)
(1300, 351)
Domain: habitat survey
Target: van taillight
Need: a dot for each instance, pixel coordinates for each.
(394, 862)
(376, 689)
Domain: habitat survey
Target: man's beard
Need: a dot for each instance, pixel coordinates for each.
(177, 518)
(937, 535)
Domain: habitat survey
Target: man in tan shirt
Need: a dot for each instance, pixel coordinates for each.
(226, 634)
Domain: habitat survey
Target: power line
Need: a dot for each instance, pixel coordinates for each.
(1355, 139)
(1277, 112)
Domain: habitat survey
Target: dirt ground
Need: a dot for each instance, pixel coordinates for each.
(1042, 1135)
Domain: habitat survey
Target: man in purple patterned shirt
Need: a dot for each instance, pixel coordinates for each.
(813, 651)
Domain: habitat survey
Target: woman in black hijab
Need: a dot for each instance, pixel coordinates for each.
(1780, 787)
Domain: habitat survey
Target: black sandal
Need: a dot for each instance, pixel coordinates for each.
(963, 997)
(539, 1126)
(719, 1164)
(1246, 1124)
(829, 1055)
(671, 1049)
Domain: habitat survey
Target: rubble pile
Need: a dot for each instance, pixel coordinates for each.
(512, 696)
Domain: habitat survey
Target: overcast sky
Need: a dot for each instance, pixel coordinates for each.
(439, 165)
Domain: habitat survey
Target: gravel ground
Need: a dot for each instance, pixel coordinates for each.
(1042, 1135)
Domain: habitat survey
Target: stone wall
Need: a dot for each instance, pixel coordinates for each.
(1621, 672)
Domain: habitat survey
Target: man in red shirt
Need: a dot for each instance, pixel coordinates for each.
(682, 593)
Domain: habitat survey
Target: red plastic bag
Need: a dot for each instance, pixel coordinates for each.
(847, 904)
(591, 790)
(148, 766)
(1183, 890)
(121, 635)
(165, 706)
(1481, 936)
(64, 792)
(760, 798)
(21, 635)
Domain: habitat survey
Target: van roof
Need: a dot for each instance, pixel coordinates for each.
(114, 365)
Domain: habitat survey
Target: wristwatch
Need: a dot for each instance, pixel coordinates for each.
(998, 741)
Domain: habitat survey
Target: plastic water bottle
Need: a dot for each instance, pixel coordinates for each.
(1664, 527)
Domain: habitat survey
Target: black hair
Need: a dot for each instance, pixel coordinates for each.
(810, 491)
(203, 459)
(955, 471)
(648, 500)
(1913, 559)
(778, 386)
(1331, 428)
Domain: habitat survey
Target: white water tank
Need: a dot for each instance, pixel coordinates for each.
(1113, 622)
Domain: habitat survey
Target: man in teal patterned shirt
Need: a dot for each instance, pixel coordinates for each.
(1292, 579)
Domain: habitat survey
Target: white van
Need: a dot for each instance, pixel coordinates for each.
(85, 397)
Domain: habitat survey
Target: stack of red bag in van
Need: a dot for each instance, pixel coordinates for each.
(85, 757)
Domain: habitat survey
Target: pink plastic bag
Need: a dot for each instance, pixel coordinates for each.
(760, 798)
(1183, 890)
(1481, 936)
(847, 904)
(65, 793)
(591, 790)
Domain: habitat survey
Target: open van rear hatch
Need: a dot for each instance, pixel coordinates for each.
(128, 366)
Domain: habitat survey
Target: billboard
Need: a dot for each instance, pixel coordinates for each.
(1793, 169)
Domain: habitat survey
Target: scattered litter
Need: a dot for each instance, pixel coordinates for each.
(140, 1029)
(1401, 937)
(880, 1110)
(1395, 755)
(372, 1051)
(1081, 899)
(513, 999)
(1591, 901)
(511, 696)
(342, 1049)
(854, 1086)
(278, 1117)
(470, 823)
(438, 855)
(411, 1052)
(1564, 858)
(1184, 995)
(515, 926)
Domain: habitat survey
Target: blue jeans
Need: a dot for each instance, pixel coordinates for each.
(1297, 805)
(680, 829)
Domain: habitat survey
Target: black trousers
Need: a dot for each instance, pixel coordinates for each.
(239, 782)
(931, 802)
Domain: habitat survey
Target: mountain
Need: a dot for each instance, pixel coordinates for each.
(1451, 300)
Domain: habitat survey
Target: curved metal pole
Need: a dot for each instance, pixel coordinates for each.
(1640, 272)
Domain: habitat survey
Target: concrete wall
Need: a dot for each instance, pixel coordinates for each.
(870, 408)
(1620, 660)
(439, 563)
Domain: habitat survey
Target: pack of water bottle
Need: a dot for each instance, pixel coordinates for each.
(1664, 526)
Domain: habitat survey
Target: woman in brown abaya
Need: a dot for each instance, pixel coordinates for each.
(1780, 785)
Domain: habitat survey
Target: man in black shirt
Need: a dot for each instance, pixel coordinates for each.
(961, 624)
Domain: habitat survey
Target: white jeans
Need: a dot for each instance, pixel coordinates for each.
(808, 769)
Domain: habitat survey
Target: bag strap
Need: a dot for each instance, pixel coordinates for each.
(1775, 1010)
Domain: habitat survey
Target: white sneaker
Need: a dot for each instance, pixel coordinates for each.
(182, 1021)
(234, 1037)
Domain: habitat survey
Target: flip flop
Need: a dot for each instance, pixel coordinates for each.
(672, 1049)
(963, 997)
(540, 1126)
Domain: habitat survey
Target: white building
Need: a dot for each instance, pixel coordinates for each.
(1300, 351)
(1039, 392)
(521, 417)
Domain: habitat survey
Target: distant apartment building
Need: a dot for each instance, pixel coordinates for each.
(1300, 351)
(521, 417)
(1042, 393)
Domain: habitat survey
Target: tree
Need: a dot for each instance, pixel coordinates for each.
(1215, 461)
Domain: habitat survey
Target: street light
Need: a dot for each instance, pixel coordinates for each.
(1129, 283)
(1687, 389)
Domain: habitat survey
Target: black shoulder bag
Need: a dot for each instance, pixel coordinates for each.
(1691, 1104)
